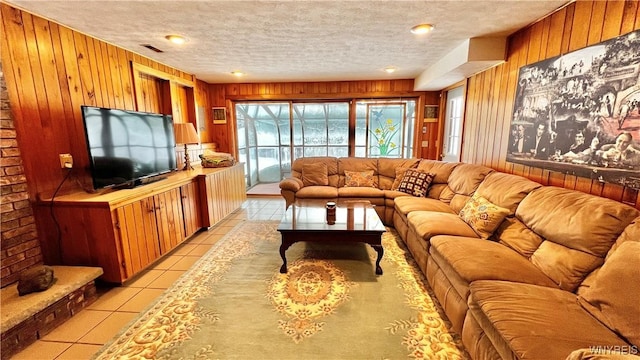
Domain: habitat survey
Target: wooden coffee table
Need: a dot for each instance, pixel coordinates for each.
(355, 222)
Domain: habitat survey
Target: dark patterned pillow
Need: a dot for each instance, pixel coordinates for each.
(416, 182)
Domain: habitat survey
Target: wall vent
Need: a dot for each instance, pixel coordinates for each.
(152, 48)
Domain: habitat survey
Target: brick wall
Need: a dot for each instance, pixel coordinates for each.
(19, 245)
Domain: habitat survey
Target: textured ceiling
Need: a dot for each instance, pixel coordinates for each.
(293, 40)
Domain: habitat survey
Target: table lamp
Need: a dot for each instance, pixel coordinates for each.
(186, 134)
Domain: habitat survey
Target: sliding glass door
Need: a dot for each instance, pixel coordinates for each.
(264, 141)
(272, 134)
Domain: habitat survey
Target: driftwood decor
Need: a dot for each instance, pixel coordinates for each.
(579, 113)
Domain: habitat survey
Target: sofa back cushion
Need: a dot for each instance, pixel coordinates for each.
(578, 230)
(516, 235)
(388, 171)
(506, 190)
(358, 165)
(614, 295)
(315, 174)
(463, 182)
(630, 233)
(442, 171)
(330, 162)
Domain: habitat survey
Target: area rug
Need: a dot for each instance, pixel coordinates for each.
(234, 304)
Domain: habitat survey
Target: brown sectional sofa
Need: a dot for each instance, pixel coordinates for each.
(558, 279)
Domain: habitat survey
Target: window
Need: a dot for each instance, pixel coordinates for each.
(385, 128)
(453, 125)
(321, 129)
(272, 134)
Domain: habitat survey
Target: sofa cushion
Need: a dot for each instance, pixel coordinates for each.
(415, 182)
(514, 234)
(331, 162)
(407, 204)
(590, 226)
(427, 224)
(506, 190)
(315, 174)
(614, 296)
(630, 233)
(435, 191)
(359, 178)
(465, 178)
(360, 192)
(526, 321)
(483, 216)
(464, 260)
(463, 182)
(387, 171)
(442, 170)
(317, 192)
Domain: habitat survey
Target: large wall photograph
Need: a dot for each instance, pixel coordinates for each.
(579, 113)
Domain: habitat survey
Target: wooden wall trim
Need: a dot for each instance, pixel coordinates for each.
(321, 96)
(139, 68)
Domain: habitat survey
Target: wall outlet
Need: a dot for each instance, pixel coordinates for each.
(66, 161)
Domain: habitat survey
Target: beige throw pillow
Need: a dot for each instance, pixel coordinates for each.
(614, 294)
(359, 179)
(315, 174)
(483, 216)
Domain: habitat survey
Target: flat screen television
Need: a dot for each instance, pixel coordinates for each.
(128, 148)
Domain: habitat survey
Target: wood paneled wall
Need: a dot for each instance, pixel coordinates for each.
(224, 94)
(50, 72)
(491, 94)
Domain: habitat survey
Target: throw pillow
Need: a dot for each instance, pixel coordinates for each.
(416, 182)
(483, 216)
(315, 174)
(399, 175)
(359, 178)
(615, 292)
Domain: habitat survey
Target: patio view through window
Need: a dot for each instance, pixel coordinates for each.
(273, 134)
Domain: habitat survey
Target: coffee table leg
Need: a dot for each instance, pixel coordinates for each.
(380, 251)
(283, 247)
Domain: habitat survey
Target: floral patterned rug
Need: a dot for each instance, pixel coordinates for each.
(234, 304)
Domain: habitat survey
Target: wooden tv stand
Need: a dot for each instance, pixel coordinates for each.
(124, 231)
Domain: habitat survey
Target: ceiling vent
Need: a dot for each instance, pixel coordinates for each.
(152, 48)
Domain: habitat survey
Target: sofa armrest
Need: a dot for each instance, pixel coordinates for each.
(291, 184)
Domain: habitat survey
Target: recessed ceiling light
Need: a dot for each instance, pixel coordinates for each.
(176, 39)
(237, 73)
(390, 69)
(422, 28)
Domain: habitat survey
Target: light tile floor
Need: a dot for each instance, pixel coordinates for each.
(84, 334)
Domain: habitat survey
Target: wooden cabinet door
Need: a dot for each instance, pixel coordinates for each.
(136, 224)
(190, 209)
(169, 218)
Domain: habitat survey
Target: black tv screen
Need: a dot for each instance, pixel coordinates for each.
(127, 147)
